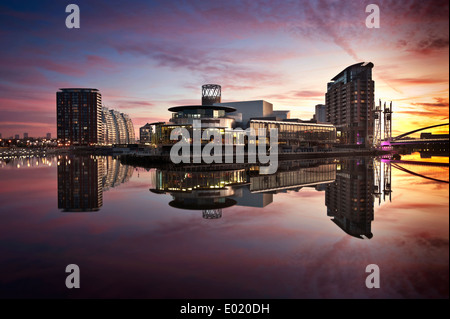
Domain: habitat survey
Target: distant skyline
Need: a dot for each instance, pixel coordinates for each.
(146, 56)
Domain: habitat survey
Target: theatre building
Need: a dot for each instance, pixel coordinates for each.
(294, 135)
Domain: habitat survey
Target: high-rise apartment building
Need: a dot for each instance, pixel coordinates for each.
(130, 137)
(120, 127)
(81, 120)
(117, 127)
(349, 104)
(109, 126)
(79, 116)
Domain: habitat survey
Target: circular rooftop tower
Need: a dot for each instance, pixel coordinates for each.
(211, 93)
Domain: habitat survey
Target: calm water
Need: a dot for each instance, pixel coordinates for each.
(307, 232)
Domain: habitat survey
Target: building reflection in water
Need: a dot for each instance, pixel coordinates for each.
(115, 173)
(213, 191)
(82, 180)
(349, 187)
(208, 191)
(350, 198)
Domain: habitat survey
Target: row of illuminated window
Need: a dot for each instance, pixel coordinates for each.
(199, 113)
(292, 127)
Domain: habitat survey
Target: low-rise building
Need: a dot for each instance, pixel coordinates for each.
(293, 134)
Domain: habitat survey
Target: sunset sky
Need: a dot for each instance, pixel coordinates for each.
(145, 56)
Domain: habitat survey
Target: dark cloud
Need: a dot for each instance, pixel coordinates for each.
(433, 114)
(440, 102)
(430, 44)
(129, 104)
(429, 240)
(233, 43)
(438, 109)
(424, 46)
(415, 81)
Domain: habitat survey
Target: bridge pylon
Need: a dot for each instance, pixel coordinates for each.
(377, 136)
(387, 181)
(377, 187)
(388, 122)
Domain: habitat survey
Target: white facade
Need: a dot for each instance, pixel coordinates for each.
(117, 127)
(250, 109)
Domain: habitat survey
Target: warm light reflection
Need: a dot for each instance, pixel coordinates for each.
(425, 158)
(306, 232)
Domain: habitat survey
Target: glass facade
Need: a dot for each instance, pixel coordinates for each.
(163, 134)
(199, 113)
(284, 180)
(187, 181)
(301, 132)
(290, 133)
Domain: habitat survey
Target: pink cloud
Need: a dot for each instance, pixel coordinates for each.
(243, 46)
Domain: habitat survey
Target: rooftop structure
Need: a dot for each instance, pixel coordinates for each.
(211, 93)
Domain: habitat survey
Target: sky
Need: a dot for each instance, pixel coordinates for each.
(146, 56)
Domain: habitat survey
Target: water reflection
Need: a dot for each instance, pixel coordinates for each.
(209, 191)
(199, 188)
(296, 231)
(24, 162)
(83, 179)
(349, 199)
(351, 186)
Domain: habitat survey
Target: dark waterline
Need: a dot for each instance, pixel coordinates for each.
(308, 231)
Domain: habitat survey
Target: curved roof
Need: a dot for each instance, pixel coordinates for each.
(227, 109)
(365, 64)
